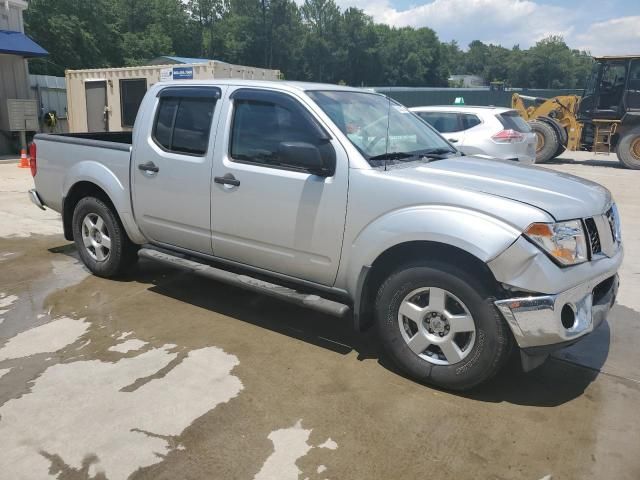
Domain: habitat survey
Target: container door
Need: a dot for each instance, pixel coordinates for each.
(96, 93)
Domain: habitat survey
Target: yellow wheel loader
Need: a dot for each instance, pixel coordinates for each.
(605, 119)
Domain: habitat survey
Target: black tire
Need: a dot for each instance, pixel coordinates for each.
(493, 340)
(563, 139)
(628, 149)
(547, 140)
(122, 253)
(561, 149)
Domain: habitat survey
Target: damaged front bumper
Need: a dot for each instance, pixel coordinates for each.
(572, 301)
(543, 324)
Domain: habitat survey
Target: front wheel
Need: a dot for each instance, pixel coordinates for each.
(628, 149)
(438, 323)
(100, 238)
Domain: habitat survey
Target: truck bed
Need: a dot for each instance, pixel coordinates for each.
(66, 158)
(119, 140)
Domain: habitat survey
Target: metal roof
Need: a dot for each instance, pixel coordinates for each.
(188, 60)
(17, 43)
(616, 57)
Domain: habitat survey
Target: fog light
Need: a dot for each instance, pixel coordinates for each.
(567, 317)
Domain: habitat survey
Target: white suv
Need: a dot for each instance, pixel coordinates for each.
(492, 131)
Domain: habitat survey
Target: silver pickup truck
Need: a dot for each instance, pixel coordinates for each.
(342, 200)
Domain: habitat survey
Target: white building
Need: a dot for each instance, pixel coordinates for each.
(15, 48)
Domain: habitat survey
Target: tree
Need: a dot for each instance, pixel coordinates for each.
(73, 37)
(317, 41)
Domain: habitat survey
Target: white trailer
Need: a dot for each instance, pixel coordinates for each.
(107, 99)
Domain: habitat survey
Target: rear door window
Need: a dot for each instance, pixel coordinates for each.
(513, 121)
(183, 121)
(443, 122)
(469, 120)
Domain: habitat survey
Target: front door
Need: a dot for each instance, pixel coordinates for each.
(277, 217)
(611, 91)
(171, 167)
(97, 114)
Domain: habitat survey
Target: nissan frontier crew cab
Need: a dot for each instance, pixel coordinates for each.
(343, 201)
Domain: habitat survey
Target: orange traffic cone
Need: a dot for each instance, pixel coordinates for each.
(24, 161)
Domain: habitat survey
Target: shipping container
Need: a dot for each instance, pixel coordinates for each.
(107, 99)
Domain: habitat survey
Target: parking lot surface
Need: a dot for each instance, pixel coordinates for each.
(166, 375)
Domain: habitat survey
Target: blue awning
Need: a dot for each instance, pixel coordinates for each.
(17, 43)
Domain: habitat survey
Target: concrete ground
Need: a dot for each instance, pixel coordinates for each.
(164, 375)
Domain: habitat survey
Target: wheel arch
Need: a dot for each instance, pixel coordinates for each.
(78, 191)
(630, 122)
(83, 189)
(371, 277)
(87, 177)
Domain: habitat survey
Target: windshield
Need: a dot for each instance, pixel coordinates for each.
(380, 128)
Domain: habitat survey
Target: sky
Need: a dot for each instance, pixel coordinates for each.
(603, 27)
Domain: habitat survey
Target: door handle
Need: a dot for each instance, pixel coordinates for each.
(452, 140)
(228, 179)
(148, 167)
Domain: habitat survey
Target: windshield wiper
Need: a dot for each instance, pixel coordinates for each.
(395, 156)
(434, 153)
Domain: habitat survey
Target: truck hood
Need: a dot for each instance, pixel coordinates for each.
(563, 196)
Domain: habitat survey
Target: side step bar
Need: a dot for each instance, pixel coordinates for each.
(290, 295)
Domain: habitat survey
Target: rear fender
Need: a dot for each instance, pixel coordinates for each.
(101, 176)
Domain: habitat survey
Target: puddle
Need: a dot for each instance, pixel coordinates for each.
(289, 445)
(48, 338)
(128, 346)
(98, 424)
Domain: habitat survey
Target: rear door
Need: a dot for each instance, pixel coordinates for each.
(281, 218)
(171, 167)
(471, 126)
(449, 124)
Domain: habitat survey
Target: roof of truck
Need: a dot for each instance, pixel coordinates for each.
(284, 84)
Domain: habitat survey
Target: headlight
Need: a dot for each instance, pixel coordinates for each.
(564, 241)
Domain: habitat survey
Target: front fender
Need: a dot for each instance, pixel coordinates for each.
(479, 234)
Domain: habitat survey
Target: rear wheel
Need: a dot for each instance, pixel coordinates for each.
(100, 238)
(562, 141)
(547, 141)
(628, 149)
(561, 149)
(439, 325)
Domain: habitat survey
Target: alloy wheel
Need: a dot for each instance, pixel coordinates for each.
(436, 325)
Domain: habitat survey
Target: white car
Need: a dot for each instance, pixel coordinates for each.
(496, 132)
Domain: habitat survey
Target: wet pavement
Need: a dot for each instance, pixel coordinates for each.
(166, 375)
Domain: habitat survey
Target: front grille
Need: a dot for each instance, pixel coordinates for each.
(594, 237)
(613, 220)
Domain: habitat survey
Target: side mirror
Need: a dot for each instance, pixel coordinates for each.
(304, 155)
